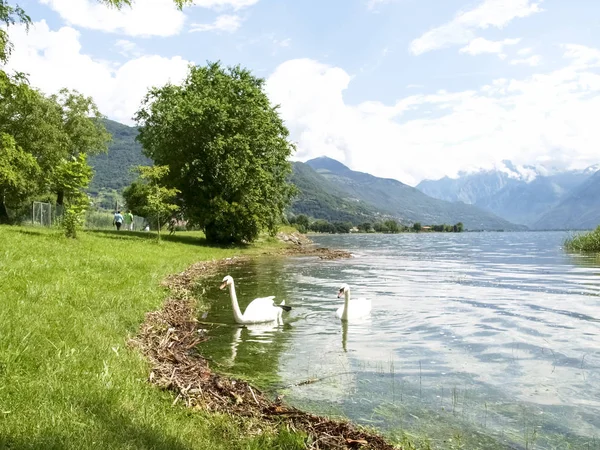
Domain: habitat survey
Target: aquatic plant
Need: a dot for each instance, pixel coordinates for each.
(586, 242)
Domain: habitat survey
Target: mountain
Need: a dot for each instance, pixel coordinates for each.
(113, 169)
(327, 190)
(579, 210)
(322, 199)
(519, 194)
(402, 201)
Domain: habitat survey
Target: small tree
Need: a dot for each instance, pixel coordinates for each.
(417, 226)
(73, 176)
(148, 197)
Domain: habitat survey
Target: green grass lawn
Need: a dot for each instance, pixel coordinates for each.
(67, 377)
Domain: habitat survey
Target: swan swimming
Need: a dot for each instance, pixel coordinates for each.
(260, 310)
(352, 309)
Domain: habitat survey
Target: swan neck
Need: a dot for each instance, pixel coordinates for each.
(237, 314)
(346, 301)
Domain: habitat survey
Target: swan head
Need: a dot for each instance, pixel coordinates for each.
(343, 289)
(227, 281)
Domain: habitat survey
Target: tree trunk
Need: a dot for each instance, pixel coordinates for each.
(3, 213)
(60, 198)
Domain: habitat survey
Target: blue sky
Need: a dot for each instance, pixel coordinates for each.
(408, 89)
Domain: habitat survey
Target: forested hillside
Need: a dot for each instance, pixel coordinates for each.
(114, 170)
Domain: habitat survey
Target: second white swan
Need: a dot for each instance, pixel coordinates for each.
(354, 309)
(260, 310)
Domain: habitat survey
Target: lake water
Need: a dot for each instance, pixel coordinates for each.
(485, 340)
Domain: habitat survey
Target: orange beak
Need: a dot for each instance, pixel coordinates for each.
(340, 293)
(224, 285)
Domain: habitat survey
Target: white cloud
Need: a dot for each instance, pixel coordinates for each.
(525, 51)
(127, 48)
(222, 4)
(145, 18)
(227, 23)
(582, 56)
(546, 118)
(479, 46)
(532, 61)
(54, 60)
(460, 30)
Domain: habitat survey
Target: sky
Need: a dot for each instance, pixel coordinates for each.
(404, 89)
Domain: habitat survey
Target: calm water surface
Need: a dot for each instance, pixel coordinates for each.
(486, 340)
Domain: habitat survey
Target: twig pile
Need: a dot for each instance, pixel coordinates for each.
(170, 338)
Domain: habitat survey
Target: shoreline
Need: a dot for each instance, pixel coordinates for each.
(169, 339)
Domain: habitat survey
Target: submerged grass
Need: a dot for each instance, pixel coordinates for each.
(586, 242)
(67, 377)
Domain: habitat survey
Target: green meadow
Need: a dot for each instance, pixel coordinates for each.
(67, 376)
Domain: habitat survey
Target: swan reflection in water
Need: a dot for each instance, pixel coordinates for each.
(262, 333)
(360, 325)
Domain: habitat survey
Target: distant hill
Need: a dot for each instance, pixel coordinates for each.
(518, 194)
(392, 197)
(113, 170)
(579, 210)
(322, 199)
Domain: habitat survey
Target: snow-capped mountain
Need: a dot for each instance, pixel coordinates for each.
(520, 194)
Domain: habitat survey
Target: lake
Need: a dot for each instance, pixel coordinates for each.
(485, 340)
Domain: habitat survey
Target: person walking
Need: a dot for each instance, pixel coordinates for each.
(129, 221)
(118, 220)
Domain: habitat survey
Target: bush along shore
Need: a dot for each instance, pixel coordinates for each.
(172, 340)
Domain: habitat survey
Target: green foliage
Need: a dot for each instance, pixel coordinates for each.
(227, 149)
(456, 228)
(54, 131)
(9, 15)
(586, 242)
(120, 3)
(71, 178)
(417, 227)
(17, 169)
(365, 227)
(322, 226)
(342, 227)
(301, 222)
(392, 226)
(150, 198)
(74, 215)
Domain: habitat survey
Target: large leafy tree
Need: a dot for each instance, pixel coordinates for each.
(226, 147)
(17, 169)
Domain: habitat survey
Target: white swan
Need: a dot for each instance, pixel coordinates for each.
(352, 309)
(260, 310)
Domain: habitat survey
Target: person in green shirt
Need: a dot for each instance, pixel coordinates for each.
(129, 221)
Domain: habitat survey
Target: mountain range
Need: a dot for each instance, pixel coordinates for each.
(503, 199)
(538, 197)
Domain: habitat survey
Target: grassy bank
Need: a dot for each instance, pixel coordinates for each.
(67, 377)
(586, 242)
